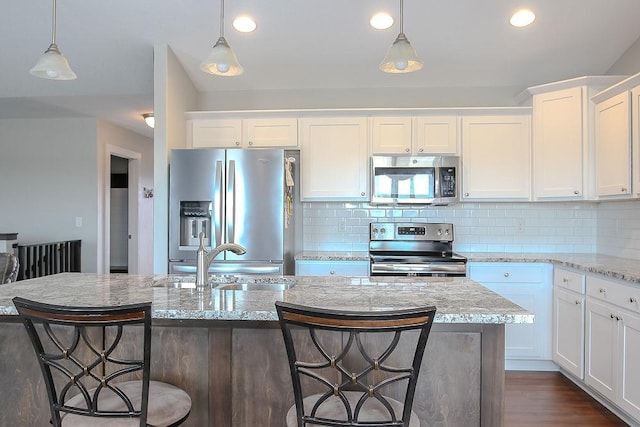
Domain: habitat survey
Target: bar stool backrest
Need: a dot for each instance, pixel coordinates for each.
(363, 366)
(87, 352)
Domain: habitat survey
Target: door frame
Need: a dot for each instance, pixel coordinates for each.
(134, 159)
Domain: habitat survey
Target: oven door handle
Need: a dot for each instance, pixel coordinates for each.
(418, 268)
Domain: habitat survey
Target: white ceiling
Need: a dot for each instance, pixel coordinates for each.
(299, 44)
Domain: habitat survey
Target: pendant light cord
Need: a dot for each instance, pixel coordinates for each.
(221, 18)
(401, 16)
(53, 26)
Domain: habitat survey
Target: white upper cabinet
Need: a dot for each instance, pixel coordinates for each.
(496, 158)
(334, 159)
(417, 135)
(613, 146)
(435, 135)
(245, 133)
(391, 135)
(635, 134)
(558, 144)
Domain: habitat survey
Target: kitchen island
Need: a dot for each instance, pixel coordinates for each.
(224, 347)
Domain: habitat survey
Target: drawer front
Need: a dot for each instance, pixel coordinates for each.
(506, 272)
(619, 294)
(570, 280)
(332, 268)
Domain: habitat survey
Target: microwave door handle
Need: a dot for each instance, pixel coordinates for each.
(218, 207)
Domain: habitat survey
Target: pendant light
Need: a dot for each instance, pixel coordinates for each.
(52, 64)
(222, 61)
(401, 56)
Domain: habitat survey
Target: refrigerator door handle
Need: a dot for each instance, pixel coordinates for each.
(218, 208)
(231, 201)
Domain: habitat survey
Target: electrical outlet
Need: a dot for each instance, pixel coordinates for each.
(78, 221)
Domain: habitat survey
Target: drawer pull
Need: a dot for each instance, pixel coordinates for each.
(633, 300)
(578, 302)
(603, 291)
(332, 272)
(506, 274)
(565, 280)
(612, 316)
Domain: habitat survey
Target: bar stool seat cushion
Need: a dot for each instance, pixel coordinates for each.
(167, 405)
(333, 408)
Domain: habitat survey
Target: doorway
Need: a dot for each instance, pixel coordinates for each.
(121, 210)
(119, 216)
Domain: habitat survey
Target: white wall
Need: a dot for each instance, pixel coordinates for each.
(174, 94)
(629, 62)
(111, 135)
(478, 227)
(48, 174)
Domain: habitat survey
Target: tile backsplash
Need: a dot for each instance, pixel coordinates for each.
(478, 227)
(618, 230)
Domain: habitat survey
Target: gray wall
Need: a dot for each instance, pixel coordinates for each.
(48, 174)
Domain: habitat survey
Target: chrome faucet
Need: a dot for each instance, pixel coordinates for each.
(204, 259)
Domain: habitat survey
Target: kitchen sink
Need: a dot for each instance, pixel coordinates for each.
(189, 281)
(274, 287)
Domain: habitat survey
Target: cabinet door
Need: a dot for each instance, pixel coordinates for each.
(216, 133)
(601, 350)
(496, 158)
(613, 146)
(334, 159)
(629, 372)
(558, 144)
(635, 134)
(435, 135)
(568, 331)
(270, 132)
(391, 135)
(332, 268)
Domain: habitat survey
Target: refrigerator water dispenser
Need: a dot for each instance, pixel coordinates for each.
(195, 217)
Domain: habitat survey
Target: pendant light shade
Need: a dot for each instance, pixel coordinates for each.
(52, 64)
(222, 61)
(401, 56)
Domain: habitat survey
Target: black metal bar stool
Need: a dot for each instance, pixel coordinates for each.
(96, 366)
(354, 368)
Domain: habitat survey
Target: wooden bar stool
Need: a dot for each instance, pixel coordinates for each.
(354, 368)
(96, 366)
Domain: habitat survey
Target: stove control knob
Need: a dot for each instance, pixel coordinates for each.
(374, 231)
(382, 231)
(439, 231)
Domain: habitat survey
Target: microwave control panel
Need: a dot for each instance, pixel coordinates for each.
(448, 182)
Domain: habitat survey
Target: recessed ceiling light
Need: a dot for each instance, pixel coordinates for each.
(522, 18)
(244, 24)
(381, 21)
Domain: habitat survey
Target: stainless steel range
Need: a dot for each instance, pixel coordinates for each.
(414, 249)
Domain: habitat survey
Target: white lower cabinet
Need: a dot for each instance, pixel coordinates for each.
(527, 345)
(331, 268)
(612, 342)
(568, 321)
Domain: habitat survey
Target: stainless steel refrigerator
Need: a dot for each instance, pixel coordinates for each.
(234, 196)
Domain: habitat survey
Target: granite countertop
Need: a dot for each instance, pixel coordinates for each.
(610, 266)
(458, 300)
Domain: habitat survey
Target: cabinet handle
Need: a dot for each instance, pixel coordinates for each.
(633, 300)
(565, 280)
(332, 272)
(466, 194)
(576, 192)
(237, 142)
(603, 291)
(578, 302)
(362, 194)
(506, 274)
(250, 142)
(618, 318)
(421, 150)
(624, 190)
(612, 316)
(407, 150)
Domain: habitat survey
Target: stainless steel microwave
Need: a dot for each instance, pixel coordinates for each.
(414, 179)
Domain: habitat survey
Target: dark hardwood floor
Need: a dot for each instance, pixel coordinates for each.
(549, 399)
